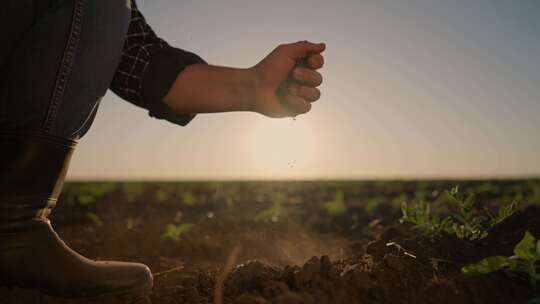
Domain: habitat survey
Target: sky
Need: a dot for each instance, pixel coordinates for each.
(412, 89)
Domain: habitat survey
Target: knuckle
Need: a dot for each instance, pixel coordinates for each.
(294, 89)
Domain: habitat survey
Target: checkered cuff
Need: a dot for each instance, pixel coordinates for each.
(148, 68)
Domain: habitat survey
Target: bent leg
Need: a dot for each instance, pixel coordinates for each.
(52, 77)
(55, 73)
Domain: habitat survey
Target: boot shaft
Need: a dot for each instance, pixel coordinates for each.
(33, 167)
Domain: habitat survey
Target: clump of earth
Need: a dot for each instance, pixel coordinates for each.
(399, 267)
(302, 242)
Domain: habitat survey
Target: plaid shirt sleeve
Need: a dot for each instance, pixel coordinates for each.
(148, 68)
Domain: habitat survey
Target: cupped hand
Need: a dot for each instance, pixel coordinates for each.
(287, 79)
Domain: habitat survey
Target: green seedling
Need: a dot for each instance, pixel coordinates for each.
(503, 213)
(336, 206)
(174, 232)
(273, 213)
(420, 215)
(467, 223)
(526, 255)
(94, 218)
(372, 204)
(86, 194)
(162, 195)
(188, 199)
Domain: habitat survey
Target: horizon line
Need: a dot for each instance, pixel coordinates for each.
(314, 179)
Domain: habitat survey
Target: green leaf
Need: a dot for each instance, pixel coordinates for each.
(486, 265)
(454, 190)
(517, 264)
(538, 248)
(86, 199)
(526, 248)
(271, 214)
(469, 202)
(188, 199)
(505, 212)
(174, 232)
(94, 218)
(336, 206)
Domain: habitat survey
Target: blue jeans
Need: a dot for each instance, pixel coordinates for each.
(57, 62)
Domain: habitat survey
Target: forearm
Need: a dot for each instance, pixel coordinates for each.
(202, 88)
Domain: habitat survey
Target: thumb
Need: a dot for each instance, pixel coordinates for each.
(302, 49)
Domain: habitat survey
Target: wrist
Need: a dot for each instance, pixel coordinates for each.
(250, 84)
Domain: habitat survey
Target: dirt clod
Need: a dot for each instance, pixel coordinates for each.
(394, 262)
(250, 276)
(377, 249)
(351, 261)
(273, 289)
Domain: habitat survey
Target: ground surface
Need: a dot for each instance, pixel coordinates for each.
(299, 242)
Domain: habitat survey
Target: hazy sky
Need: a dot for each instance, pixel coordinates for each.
(413, 88)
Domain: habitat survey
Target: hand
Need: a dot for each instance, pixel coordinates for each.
(284, 87)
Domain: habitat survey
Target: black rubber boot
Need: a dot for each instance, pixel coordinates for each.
(32, 255)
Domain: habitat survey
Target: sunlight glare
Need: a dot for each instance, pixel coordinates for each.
(282, 147)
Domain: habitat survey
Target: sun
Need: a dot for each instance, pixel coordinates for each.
(282, 147)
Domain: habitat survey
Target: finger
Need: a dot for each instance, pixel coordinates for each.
(302, 49)
(307, 76)
(315, 61)
(297, 105)
(310, 94)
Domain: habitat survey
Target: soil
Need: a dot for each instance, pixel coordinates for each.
(301, 252)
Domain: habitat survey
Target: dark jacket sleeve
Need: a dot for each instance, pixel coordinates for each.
(148, 68)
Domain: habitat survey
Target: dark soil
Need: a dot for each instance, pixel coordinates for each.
(301, 254)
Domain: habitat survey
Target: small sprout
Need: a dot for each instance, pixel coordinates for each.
(188, 199)
(161, 195)
(372, 204)
(526, 255)
(174, 232)
(421, 216)
(94, 218)
(86, 199)
(468, 223)
(271, 214)
(336, 206)
(505, 212)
